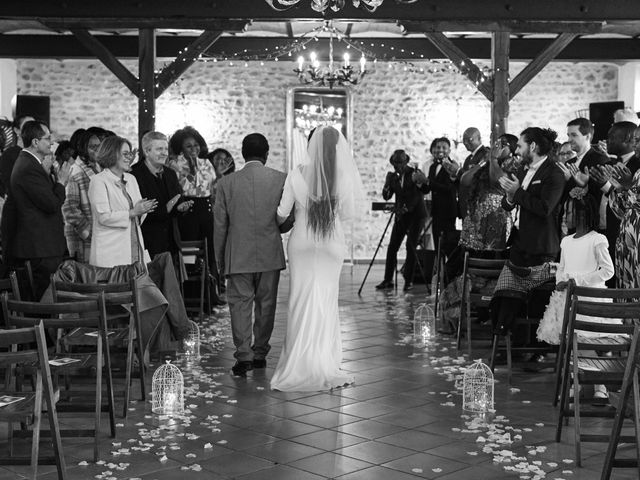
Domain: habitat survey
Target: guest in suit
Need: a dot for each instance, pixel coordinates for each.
(535, 193)
(37, 198)
(76, 208)
(621, 142)
(477, 154)
(161, 184)
(249, 250)
(444, 202)
(408, 184)
(576, 171)
(117, 208)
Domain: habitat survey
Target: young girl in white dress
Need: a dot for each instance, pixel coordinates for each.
(584, 257)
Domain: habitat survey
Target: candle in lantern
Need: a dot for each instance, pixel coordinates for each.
(300, 62)
(314, 59)
(170, 400)
(363, 61)
(346, 60)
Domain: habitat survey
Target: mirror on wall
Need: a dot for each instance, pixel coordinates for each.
(308, 108)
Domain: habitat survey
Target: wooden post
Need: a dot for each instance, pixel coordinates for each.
(500, 103)
(146, 74)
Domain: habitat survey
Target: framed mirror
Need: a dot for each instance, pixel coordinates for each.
(308, 108)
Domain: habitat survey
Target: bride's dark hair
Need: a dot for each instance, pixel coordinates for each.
(321, 212)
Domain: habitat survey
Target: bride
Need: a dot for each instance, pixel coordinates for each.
(324, 191)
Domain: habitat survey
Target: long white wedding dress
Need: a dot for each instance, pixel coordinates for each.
(312, 353)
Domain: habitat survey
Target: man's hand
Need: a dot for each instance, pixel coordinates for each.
(451, 166)
(599, 175)
(419, 177)
(565, 171)
(562, 286)
(510, 186)
(622, 175)
(581, 178)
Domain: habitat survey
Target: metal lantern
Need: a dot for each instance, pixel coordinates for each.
(477, 395)
(191, 343)
(167, 391)
(424, 324)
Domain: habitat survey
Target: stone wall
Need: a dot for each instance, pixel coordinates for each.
(392, 108)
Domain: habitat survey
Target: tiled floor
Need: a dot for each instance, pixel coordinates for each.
(401, 420)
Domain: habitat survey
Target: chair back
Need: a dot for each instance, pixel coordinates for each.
(90, 313)
(114, 293)
(613, 311)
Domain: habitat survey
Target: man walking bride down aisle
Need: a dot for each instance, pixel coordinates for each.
(325, 193)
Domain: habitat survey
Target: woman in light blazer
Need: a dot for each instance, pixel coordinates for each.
(117, 208)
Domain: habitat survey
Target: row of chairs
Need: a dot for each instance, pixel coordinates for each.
(85, 324)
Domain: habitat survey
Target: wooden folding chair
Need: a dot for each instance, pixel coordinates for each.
(616, 294)
(478, 267)
(70, 317)
(629, 397)
(193, 257)
(123, 325)
(582, 367)
(28, 409)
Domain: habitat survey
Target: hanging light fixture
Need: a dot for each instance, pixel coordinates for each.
(312, 72)
(335, 5)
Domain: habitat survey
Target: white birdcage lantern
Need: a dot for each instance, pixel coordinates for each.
(477, 395)
(424, 324)
(167, 390)
(191, 343)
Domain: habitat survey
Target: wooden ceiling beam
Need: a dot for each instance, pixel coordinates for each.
(107, 23)
(471, 10)
(109, 60)
(462, 61)
(514, 26)
(126, 46)
(187, 57)
(538, 63)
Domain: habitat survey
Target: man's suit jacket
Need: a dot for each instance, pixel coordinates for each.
(444, 203)
(539, 208)
(246, 237)
(409, 196)
(37, 203)
(157, 228)
(470, 161)
(591, 159)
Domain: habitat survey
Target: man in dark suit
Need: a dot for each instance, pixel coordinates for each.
(161, 184)
(535, 194)
(37, 198)
(575, 171)
(408, 184)
(472, 141)
(621, 141)
(444, 203)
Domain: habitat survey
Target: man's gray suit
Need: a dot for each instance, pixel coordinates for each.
(247, 243)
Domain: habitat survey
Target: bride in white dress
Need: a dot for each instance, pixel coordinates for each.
(325, 192)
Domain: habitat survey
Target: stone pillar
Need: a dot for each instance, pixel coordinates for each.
(629, 85)
(8, 86)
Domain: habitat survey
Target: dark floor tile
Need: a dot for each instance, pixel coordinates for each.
(378, 473)
(330, 465)
(236, 464)
(416, 440)
(283, 429)
(375, 452)
(430, 465)
(280, 472)
(369, 429)
(283, 451)
(328, 439)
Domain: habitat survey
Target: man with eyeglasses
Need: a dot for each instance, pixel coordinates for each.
(566, 153)
(36, 198)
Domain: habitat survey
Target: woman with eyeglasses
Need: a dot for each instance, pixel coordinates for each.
(117, 207)
(77, 208)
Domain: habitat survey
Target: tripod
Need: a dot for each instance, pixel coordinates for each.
(384, 233)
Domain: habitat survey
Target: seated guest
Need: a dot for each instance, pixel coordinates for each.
(161, 184)
(76, 209)
(196, 176)
(408, 186)
(117, 208)
(63, 162)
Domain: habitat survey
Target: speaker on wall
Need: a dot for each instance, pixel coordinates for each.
(601, 116)
(36, 106)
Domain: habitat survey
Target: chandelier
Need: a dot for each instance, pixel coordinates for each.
(330, 75)
(335, 5)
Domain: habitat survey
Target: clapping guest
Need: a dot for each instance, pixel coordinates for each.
(159, 183)
(76, 209)
(196, 176)
(117, 208)
(64, 160)
(223, 164)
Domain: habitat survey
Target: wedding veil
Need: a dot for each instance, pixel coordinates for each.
(333, 181)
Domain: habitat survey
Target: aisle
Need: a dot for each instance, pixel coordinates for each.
(401, 420)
